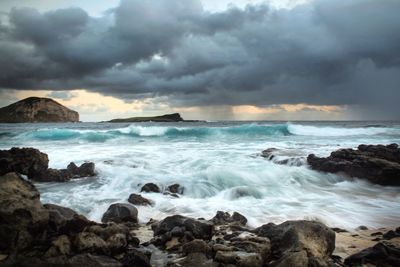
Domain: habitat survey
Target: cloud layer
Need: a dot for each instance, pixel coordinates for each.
(322, 53)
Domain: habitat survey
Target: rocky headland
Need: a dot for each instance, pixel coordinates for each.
(174, 117)
(37, 109)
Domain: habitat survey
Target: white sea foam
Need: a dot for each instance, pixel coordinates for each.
(219, 169)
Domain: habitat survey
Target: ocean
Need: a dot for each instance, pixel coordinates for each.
(220, 167)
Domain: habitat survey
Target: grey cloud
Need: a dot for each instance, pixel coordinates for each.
(325, 52)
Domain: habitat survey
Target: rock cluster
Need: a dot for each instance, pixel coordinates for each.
(378, 164)
(34, 164)
(33, 234)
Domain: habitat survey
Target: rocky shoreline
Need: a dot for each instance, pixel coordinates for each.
(37, 234)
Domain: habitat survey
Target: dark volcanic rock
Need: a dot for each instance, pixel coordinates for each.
(383, 254)
(137, 199)
(225, 218)
(27, 161)
(378, 164)
(150, 187)
(22, 216)
(175, 189)
(37, 109)
(53, 175)
(87, 169)
(120, 212)
(184, 228)
(299, 241)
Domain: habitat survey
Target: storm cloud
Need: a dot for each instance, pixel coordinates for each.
(322, 53)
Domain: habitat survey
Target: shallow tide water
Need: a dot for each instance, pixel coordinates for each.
(219, 166)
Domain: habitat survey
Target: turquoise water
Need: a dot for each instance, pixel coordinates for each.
(218, 164)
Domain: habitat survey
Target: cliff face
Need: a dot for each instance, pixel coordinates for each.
(37, 109)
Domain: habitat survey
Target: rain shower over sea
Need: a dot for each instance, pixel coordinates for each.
(218, 164)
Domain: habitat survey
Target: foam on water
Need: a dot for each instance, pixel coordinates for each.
(219, 168)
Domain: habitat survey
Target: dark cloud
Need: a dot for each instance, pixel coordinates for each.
(326, 52)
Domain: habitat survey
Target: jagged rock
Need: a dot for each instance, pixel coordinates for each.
(150, 187)
(120, 212)
(37, 109)
(316, 239)
(22, 216)
(53, 175)
(383, 254)
(392, 234)
(89, 242)
(196, 259)
(60, 246)
(137, 199)
(28, 161)
(136, 258)
(225, 218)
(378, 164)
(194, 246)
(239, 258)
(89, 260)
(86, 169)
(175, 189)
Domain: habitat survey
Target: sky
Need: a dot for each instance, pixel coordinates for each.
(209, 59)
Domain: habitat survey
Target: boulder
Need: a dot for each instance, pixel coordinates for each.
(86, 169)
(137, 199)
(22, 216)
(150, 187)
(313, 238)
(89, 260)
(225, 218)
(196, 259)
(200, 229)
(53, 175)
(239, 258)
(120, 212)
(28, 161)
(378, 164)
(383, 254)
(89, 242)
(136, 258)
(195, 246)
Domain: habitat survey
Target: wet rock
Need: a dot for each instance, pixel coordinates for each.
(378, 164)
(150, 187)
(383, 254)
(195, 246)
(362, 228)
(225, 218)
(391, 234)
(314, 238)
(87, 169)
(120, 212)
(196, 259)
(28, 161)
(22, 216)
(137, 199)
(269, 153)
(136, 258)
(175, 189)
(339, 230)
(53, 175)
(117, 243)
(89, 260)
(239, 258)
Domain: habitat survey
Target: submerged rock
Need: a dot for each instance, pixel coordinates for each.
(137, 199)
(120, 212)
(87, 169)
(175, 189)
(150, 187)
(378, 164)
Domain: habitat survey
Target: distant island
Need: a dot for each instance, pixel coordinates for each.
(174, 117)
(37, 109)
